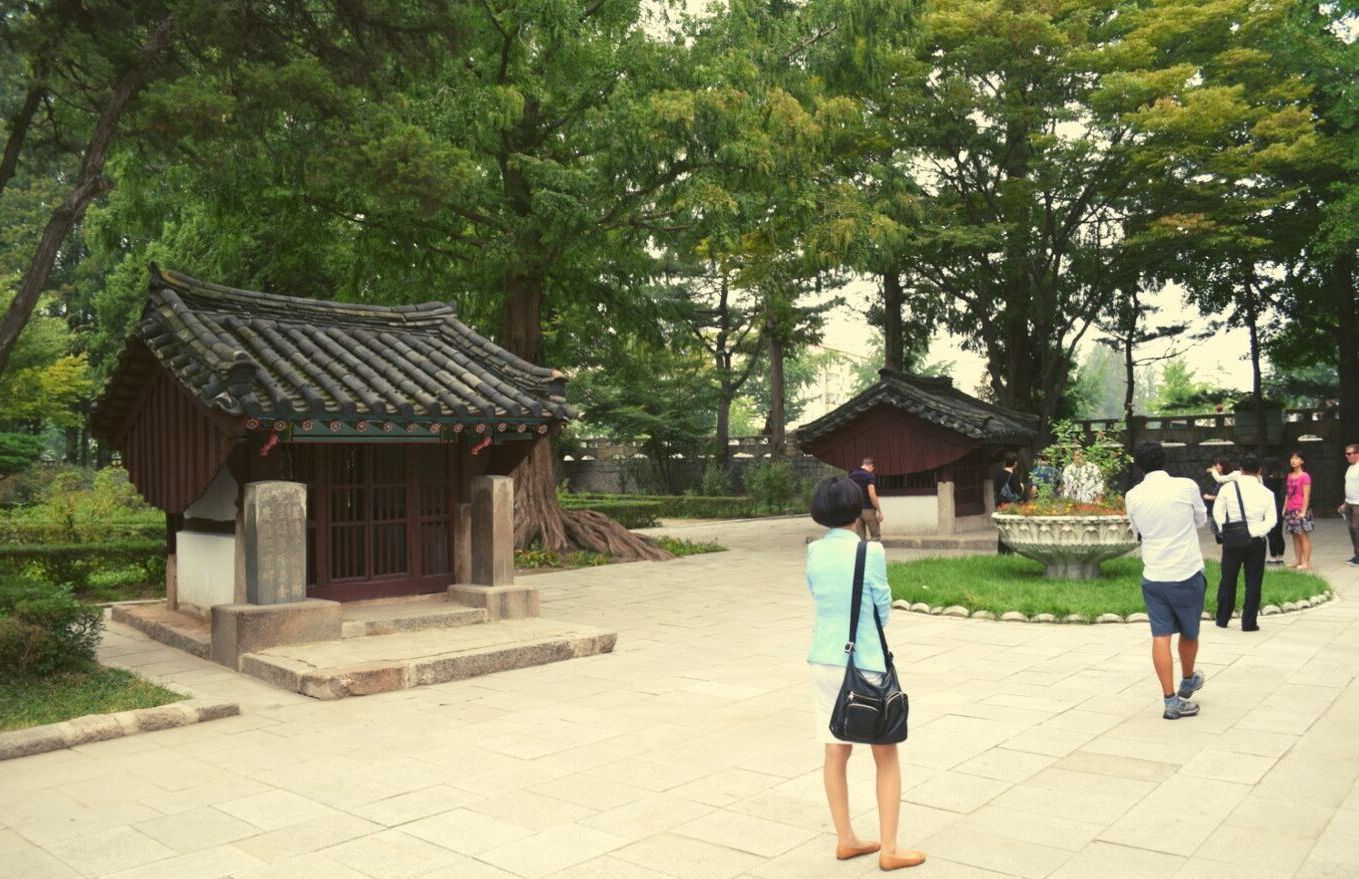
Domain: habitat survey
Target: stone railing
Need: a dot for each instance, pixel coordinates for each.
(599, 449)
(1220, 427)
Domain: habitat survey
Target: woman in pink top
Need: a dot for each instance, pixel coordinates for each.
(1298, 512)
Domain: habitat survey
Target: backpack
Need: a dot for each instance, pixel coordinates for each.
(1008, 495)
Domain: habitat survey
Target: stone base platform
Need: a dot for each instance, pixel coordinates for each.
(362, 666)
(183, 631)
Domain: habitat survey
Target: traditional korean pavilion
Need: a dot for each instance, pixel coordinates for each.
(933, 446)
(385, 413)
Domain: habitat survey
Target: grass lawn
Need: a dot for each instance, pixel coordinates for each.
(1004, 583)
(74, 694)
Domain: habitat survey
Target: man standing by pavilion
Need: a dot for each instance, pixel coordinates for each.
(1167, 512)
(869, 525)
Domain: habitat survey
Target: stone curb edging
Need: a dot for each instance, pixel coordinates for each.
(101, 727)
(1013, 616)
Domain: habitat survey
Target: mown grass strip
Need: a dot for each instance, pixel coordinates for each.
(1004, 583)
(74, 694)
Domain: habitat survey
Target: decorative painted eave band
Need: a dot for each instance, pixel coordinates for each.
(406, 431)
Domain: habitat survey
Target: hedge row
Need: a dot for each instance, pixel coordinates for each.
(73, 563)
(30, 531)
(645, 510)
(628, 513)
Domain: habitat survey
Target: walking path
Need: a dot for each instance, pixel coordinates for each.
(1035, 751)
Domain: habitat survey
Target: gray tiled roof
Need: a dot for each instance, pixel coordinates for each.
(266, 356)
(934, 400)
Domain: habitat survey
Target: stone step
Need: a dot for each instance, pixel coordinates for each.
(183, 631)
(362, 666)
(362, 621)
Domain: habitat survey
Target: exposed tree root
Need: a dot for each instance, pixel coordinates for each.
(539, 518)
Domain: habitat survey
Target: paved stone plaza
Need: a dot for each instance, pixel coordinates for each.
(1036, 751)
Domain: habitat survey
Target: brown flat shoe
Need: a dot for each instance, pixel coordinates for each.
(901, 859)
(845, 852)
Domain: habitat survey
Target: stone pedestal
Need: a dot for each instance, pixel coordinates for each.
(238, 629)
(274, 520)
(1070, 547)
(492, 530)
(500, 602)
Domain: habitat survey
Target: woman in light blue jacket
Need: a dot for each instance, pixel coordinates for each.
(830, 577)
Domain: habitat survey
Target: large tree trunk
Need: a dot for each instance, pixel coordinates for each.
(538, 517)
(893, 344)
(88, 187)
(778, 437)
(1341, 280)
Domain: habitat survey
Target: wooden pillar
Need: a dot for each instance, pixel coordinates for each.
(171, 570)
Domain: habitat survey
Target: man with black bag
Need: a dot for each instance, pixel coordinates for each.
(1244, 513)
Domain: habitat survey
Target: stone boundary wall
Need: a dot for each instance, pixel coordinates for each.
(601, 465)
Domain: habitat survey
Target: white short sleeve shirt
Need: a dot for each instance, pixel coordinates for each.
(1168, 511)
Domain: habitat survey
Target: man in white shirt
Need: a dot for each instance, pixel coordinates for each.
(1350, 508)
(1254, 504)
(1167, 512)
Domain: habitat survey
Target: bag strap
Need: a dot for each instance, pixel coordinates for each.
(860, 554)
(1239, 504)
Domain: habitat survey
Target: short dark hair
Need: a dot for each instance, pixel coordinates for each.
(1011, 459)
(838, 501)
(1298, 454)
(1250, 463)
(1149, 456)
(867, 462)
(1221, 461)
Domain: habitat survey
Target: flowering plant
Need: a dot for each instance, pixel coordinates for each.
(1069, 451)
(1109, 505)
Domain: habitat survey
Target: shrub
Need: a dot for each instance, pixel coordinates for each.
(44, 629)
(715, 481)
(774, 486)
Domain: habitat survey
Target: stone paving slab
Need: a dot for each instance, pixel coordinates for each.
(690, 751)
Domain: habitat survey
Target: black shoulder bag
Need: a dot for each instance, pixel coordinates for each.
(1236, 535)
(865, 712)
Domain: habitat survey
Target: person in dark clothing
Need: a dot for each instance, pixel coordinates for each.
(1009, 489)
(1274, 481)
(1245, 499)
(869, 525)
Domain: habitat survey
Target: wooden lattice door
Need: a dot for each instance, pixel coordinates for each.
(380, 520)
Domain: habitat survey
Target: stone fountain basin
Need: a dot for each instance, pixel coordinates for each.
(1070, 547)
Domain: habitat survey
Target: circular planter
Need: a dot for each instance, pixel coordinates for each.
(1070, 547)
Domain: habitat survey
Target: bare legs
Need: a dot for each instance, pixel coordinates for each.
(836, 779)
(1302, 551)
(889, 795)
(835, 776)
(1165, 666)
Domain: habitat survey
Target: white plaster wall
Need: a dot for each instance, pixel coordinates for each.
(218, 501)
(911, 514)
(205, 564)
(205, 568)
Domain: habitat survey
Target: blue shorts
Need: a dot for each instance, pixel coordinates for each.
(1175, 606)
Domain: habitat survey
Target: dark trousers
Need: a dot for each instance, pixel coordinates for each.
(1276, 541)
(1352, 519)
(1253, 558)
